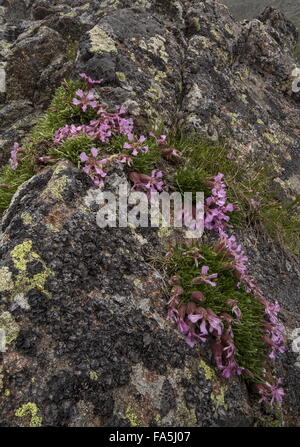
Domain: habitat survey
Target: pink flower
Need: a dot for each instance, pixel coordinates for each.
(204, 277)
(125, 159)
(136, 146)
(234, 308)
(93, 166)
(159, 141)
(86, 99)
(14, 159)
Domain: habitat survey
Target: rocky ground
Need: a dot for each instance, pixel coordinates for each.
(84, 311)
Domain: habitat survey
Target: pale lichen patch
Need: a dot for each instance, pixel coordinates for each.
(101, 42)
(55, 188)
(26, 219)
(156, 45)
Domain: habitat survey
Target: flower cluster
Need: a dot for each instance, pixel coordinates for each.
(196, 323)
(149, 184)
(102, 128)
(93, 166)
(216, 206)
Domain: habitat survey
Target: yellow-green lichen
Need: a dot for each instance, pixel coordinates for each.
(93, 375)
(55, 188)
(6, 283)
(229, 29)
(26, 219)
(30, 410)
(19, 255)
(71, 49)
(138, 283)
(215, 34)
(10, 327)
(131, 415)
(270, 138)
(154, 93)
(121, 76)
(52, 228)
(244, 98)
(218, 398)
(6, 393)
(185, 417)
(101, 42)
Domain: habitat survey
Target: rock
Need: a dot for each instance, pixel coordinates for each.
(76, 347)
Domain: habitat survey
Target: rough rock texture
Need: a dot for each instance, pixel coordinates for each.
(85, 313)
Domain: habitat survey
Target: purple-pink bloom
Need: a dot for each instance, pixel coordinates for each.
(86, 99)
(204, 277)
(136, 145)
(93, 166)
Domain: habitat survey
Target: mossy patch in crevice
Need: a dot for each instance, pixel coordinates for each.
(29, 411)
(251, 349)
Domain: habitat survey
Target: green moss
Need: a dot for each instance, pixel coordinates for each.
(30, 410)
(60, 113)
(72, 148)
(13, 178)
(9, 325)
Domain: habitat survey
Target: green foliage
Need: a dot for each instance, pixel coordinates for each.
(251, 349)
(246, 181)
(14, 179)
